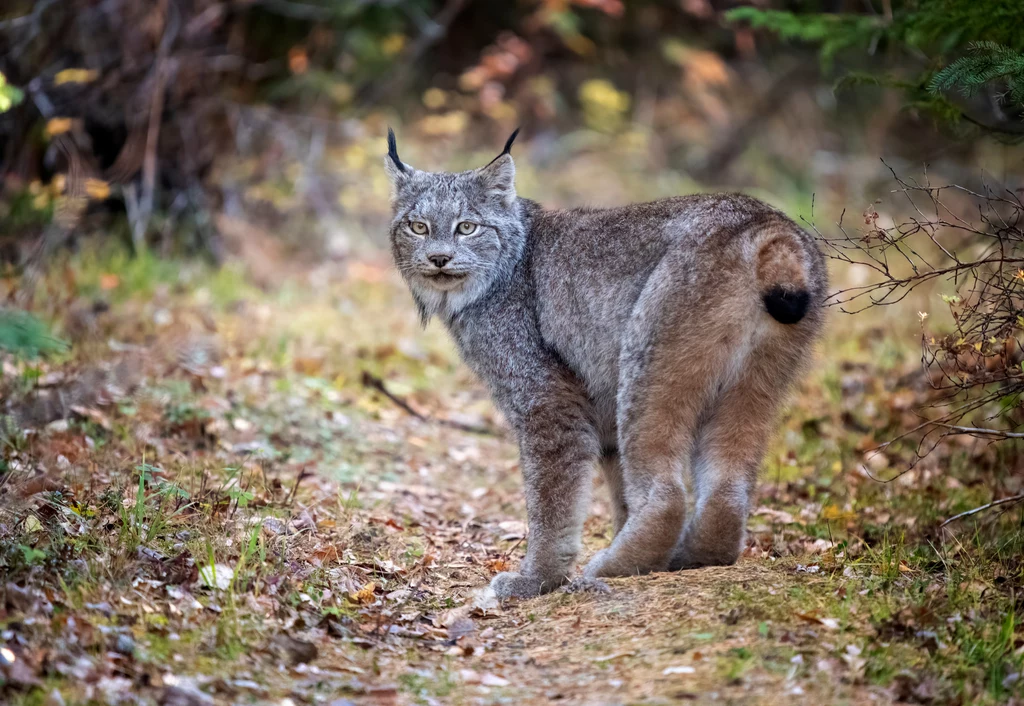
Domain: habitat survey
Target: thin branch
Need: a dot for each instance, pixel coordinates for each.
(978, 431)
(995, 503)
(375, 383)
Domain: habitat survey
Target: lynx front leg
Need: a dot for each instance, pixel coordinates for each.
(558, 453)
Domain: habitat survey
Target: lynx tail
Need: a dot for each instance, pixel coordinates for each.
(782, 279)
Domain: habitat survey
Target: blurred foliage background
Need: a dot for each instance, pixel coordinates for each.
(206, 125)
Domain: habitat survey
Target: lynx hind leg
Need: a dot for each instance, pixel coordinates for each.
(664, 382)
(730, 447)
(656, 435)
(611, 469)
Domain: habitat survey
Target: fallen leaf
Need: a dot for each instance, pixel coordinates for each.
(75, 76)
(493, 680)
(461, 628)
(294, 650)
(830, 623)
(216, 576)
(58, 126)
(679, 669)
(97, 189)
(364, 595)
(93, 415)
(496, 566)
(327, 553)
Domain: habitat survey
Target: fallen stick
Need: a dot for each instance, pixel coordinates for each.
(994, 503)
(375, 383)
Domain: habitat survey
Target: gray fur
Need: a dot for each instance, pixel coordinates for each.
(633, 336)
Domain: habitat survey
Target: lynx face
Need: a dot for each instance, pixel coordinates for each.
(453, 234)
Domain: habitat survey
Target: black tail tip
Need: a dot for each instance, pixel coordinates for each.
(786, 307)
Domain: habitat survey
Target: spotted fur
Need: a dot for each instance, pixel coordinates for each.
(656, 340)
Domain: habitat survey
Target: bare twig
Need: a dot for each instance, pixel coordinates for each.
(375, 383)
(977, 431)
(986, 506)
(969, 241)
(303, 474)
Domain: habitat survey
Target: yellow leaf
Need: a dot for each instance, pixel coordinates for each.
(834, 512)
(364, 594)
(392, 44)
(434, 98)
(97, 189)
(58, 126)
(75, 76)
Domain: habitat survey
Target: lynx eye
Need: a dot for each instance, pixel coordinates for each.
(467, 228)
(418, 227)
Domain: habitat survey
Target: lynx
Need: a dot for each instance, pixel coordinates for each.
(656, 341)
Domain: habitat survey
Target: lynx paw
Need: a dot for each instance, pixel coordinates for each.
(512, 585)
(609, 563)
(687, 556)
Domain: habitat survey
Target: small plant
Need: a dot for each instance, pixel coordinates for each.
(10, 96)
(25, 336)
(140, 523)
(32, 555)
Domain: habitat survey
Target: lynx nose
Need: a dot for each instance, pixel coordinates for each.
(439, 259)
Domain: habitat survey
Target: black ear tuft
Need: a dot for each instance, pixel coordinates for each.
(508, 144)
(393, 150)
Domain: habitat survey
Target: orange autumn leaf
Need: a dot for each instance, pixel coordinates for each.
(97, 189)
(298, 60)
(327, 553)
(498, 565)
(75, 76)
(58, 126)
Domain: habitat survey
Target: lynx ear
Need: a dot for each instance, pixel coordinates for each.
(499, 177)
(398, 172)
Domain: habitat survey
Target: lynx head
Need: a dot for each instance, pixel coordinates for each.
(453, 235)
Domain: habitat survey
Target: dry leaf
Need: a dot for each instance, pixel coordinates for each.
(97, 189)
(327, 553)
(216, 576)
(58, 126)
(75, 76)
(364, 595)
(496, 566)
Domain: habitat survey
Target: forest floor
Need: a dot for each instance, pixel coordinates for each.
(229, 495)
